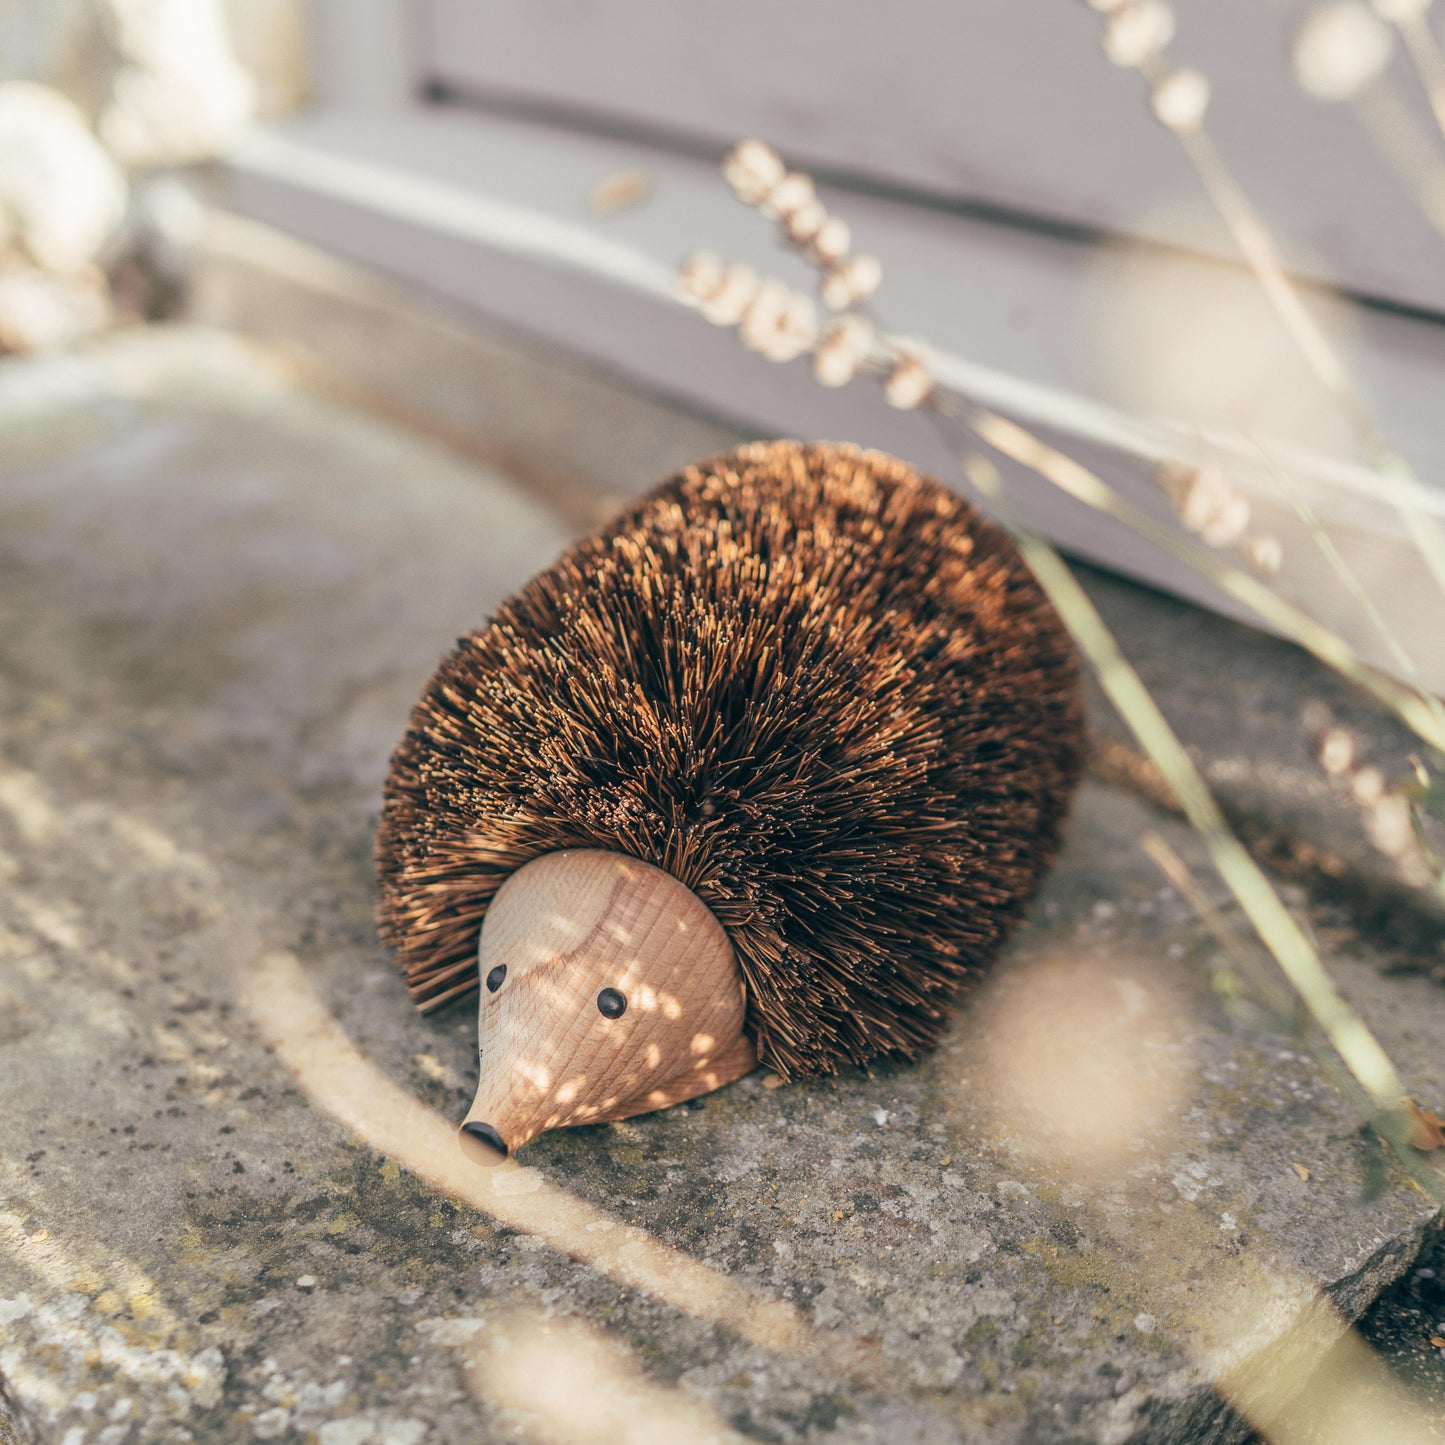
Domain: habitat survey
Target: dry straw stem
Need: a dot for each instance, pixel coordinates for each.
(1337, 76)
(339, 1080)
(1088, 1064)
(1408, 16)
(1352, 584)
(1340, 54)
(1317, 1383)
(1259, 251)
(1394, 132)
(1346, 1031)
(909, 385)
(1181, 878)
(1407, 149)
(1010, 439)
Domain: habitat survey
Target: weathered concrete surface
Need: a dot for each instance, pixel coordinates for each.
(217, 601)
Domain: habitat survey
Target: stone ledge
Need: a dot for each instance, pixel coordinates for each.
(219, 598)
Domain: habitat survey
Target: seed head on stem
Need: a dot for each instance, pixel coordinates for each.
(1137, 33)
(1340, 50)
(842, 350)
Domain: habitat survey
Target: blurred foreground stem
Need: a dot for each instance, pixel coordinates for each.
(1347, 1032)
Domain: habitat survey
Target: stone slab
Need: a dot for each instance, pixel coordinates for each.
(218, 598)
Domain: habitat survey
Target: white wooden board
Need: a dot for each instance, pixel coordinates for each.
(1100, 351)
(1004, 103)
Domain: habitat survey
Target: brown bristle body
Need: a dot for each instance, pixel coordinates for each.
(818, 689)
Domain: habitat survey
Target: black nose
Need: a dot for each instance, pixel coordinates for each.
(482, 1144)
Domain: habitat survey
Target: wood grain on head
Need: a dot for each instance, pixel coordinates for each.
(609, 990)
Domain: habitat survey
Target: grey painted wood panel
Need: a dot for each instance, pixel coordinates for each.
(491, 217)
(366, 52)
(1009, 103)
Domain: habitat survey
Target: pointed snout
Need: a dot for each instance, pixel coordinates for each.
(608, 989)
(513, 1104)
(482, 1144)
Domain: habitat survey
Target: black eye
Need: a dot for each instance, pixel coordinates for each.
(495, 977)
(611, 1004)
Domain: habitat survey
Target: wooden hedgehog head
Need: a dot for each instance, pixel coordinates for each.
(762, 771)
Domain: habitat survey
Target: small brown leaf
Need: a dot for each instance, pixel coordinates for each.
(1437, 1342)
(616, 193)
(1303, 1173)
(1427, 1129)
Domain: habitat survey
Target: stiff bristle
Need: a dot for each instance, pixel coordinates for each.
(818, 689)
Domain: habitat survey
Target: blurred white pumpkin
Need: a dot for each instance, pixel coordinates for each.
(177, 92)
(61, 194)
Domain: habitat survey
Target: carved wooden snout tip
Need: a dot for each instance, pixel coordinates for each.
(608, 990)
(482, 1144)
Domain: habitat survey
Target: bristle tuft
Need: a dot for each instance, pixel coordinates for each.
(818, 689)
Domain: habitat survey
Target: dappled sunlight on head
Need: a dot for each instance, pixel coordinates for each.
(608, 990)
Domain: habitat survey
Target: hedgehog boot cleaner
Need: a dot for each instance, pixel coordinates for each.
(764, 771)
